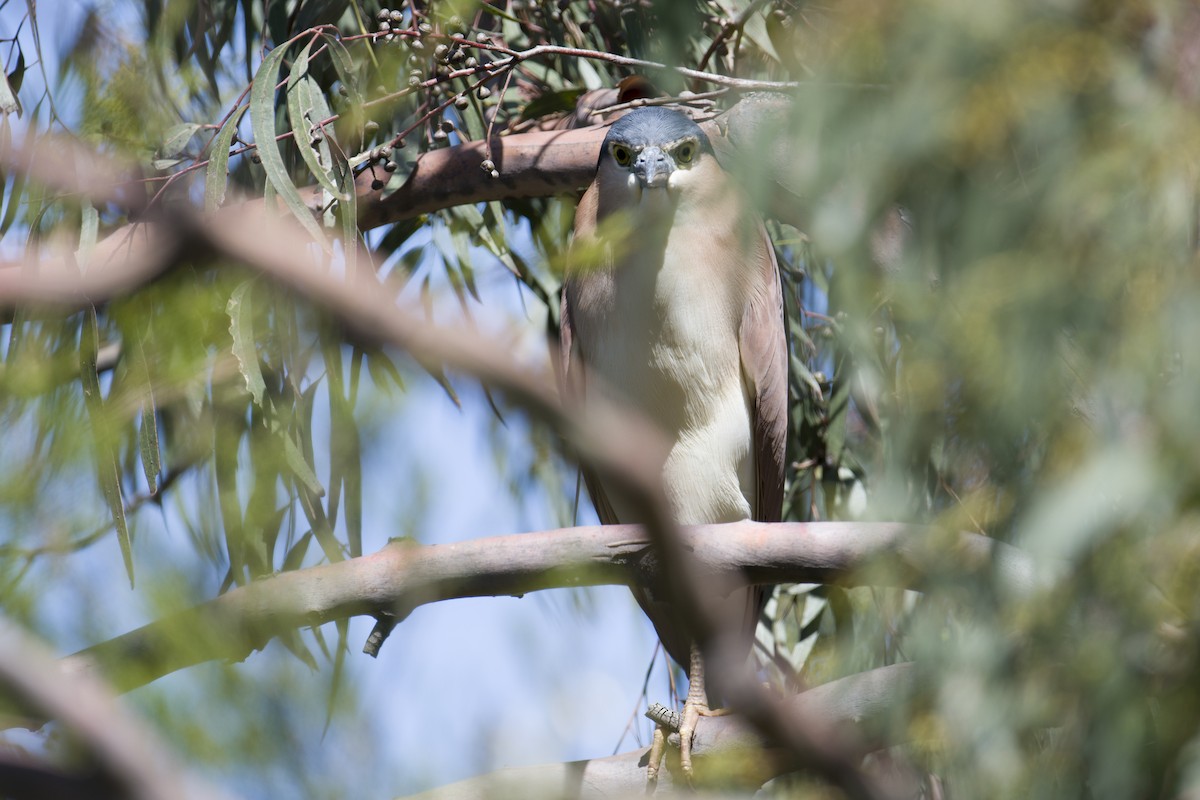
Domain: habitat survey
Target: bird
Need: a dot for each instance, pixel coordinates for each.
(672, 304)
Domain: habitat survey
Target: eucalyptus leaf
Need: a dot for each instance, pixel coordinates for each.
(262, 122)
(240, 310)
(218, 161)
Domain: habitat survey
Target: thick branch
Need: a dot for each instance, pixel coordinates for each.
(720, 743)
(404, 576)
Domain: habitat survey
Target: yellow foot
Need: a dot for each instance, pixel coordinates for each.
(658, 749)
(692, 712)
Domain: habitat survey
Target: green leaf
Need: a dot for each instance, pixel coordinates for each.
(262, 123)
(245, 349)
(343, 64)
(302, 113)
(383, 370)
(108, 466)
(148, 431)
(218, 162)
(343, 179)
(295, 556)
(177, 138)
(299, 466)
(338, 673)
(295, 645)
(548, 103)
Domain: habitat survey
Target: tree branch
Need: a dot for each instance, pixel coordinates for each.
(403, 576)
(128, 758)
(719, 744)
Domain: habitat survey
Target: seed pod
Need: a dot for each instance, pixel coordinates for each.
(389, 166)
(447, 125)
(440, 135)
(383, 14)
(495, 174)
(397, 16)
(416, 44)
(472, 63)
(385, 26)
(440, 51)
(488, 165)
(371, 127)
(461, 102)
(414, 81)
(484, 92)
(376, 184)
(425, 27)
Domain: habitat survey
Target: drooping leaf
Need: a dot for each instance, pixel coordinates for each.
(148, 445)
(218, 161)
(295, 556)
(245, 348)
(107, 465)
(296, 462)
(262, 122)
(304, 116)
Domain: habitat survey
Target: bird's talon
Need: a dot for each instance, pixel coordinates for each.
(658, 749)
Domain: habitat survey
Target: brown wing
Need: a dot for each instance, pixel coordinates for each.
(762, 339)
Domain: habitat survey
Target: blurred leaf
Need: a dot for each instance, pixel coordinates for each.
(177, 138)
(245, 347)
(10, 84)
(148, 446)
(108, 468)
(295, 556)
(295, 645)
(297, 464)
(548, 103)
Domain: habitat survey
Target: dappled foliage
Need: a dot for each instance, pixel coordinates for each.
(989, 261)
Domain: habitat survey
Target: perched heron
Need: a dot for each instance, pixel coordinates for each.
(682, 317)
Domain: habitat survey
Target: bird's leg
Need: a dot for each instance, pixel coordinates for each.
(694, 707)
(658, 749)
(666, 720)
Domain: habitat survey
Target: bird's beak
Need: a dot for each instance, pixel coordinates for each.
(653, 167)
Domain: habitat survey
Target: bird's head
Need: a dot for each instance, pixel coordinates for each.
(654, 148)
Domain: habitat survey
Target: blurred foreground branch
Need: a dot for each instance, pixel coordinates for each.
(128, 760)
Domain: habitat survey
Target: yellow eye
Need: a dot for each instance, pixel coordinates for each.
(621, 154)
(686, 153)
